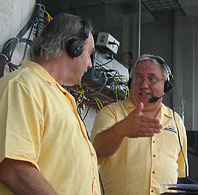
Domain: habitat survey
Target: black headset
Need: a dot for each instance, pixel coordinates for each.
(168, 84)
(74, 46)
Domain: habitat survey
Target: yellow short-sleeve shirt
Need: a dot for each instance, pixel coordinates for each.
(39, 124)
(142, 166)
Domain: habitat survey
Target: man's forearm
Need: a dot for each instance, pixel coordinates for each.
(107, 142)
(23, 178)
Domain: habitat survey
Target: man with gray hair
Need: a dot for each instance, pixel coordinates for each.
(141, 144)
(44, 148)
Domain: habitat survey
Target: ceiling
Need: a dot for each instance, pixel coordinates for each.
(109, 14)
(159, 9)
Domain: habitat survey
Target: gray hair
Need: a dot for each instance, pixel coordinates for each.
(156, 59)
(56, 34)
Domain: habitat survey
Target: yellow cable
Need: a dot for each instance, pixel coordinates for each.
(49, 16)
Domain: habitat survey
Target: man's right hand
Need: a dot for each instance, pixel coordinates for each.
(137, 125)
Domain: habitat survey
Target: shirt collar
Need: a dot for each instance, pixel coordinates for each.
(42, 72)
(164, 111)
(128, 104)
(39, 70)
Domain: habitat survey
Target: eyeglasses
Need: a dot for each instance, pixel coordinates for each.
(149, 80)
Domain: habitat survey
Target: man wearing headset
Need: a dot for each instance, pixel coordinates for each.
(133, 159)
(44, 147)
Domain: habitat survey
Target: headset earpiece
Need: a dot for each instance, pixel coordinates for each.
(168, 86)
(129, 83)
(74, 46)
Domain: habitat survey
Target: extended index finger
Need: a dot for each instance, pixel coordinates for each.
(150, 122)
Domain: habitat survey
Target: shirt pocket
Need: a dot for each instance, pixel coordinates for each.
(170, 143)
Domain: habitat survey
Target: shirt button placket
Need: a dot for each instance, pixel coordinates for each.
(153, 172)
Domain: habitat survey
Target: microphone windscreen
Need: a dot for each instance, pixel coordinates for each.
(153, 99)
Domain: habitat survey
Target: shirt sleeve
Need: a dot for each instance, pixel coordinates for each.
(105, 119)
(23, 124)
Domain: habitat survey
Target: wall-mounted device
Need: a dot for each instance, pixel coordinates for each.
(108, 42)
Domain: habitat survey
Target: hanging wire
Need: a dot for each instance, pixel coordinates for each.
(9, 47)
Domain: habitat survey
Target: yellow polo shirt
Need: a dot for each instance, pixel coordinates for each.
(40, 124)
(142, 165)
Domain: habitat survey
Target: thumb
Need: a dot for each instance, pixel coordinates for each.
(139, 108)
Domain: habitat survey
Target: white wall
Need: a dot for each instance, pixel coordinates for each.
(14, 15)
